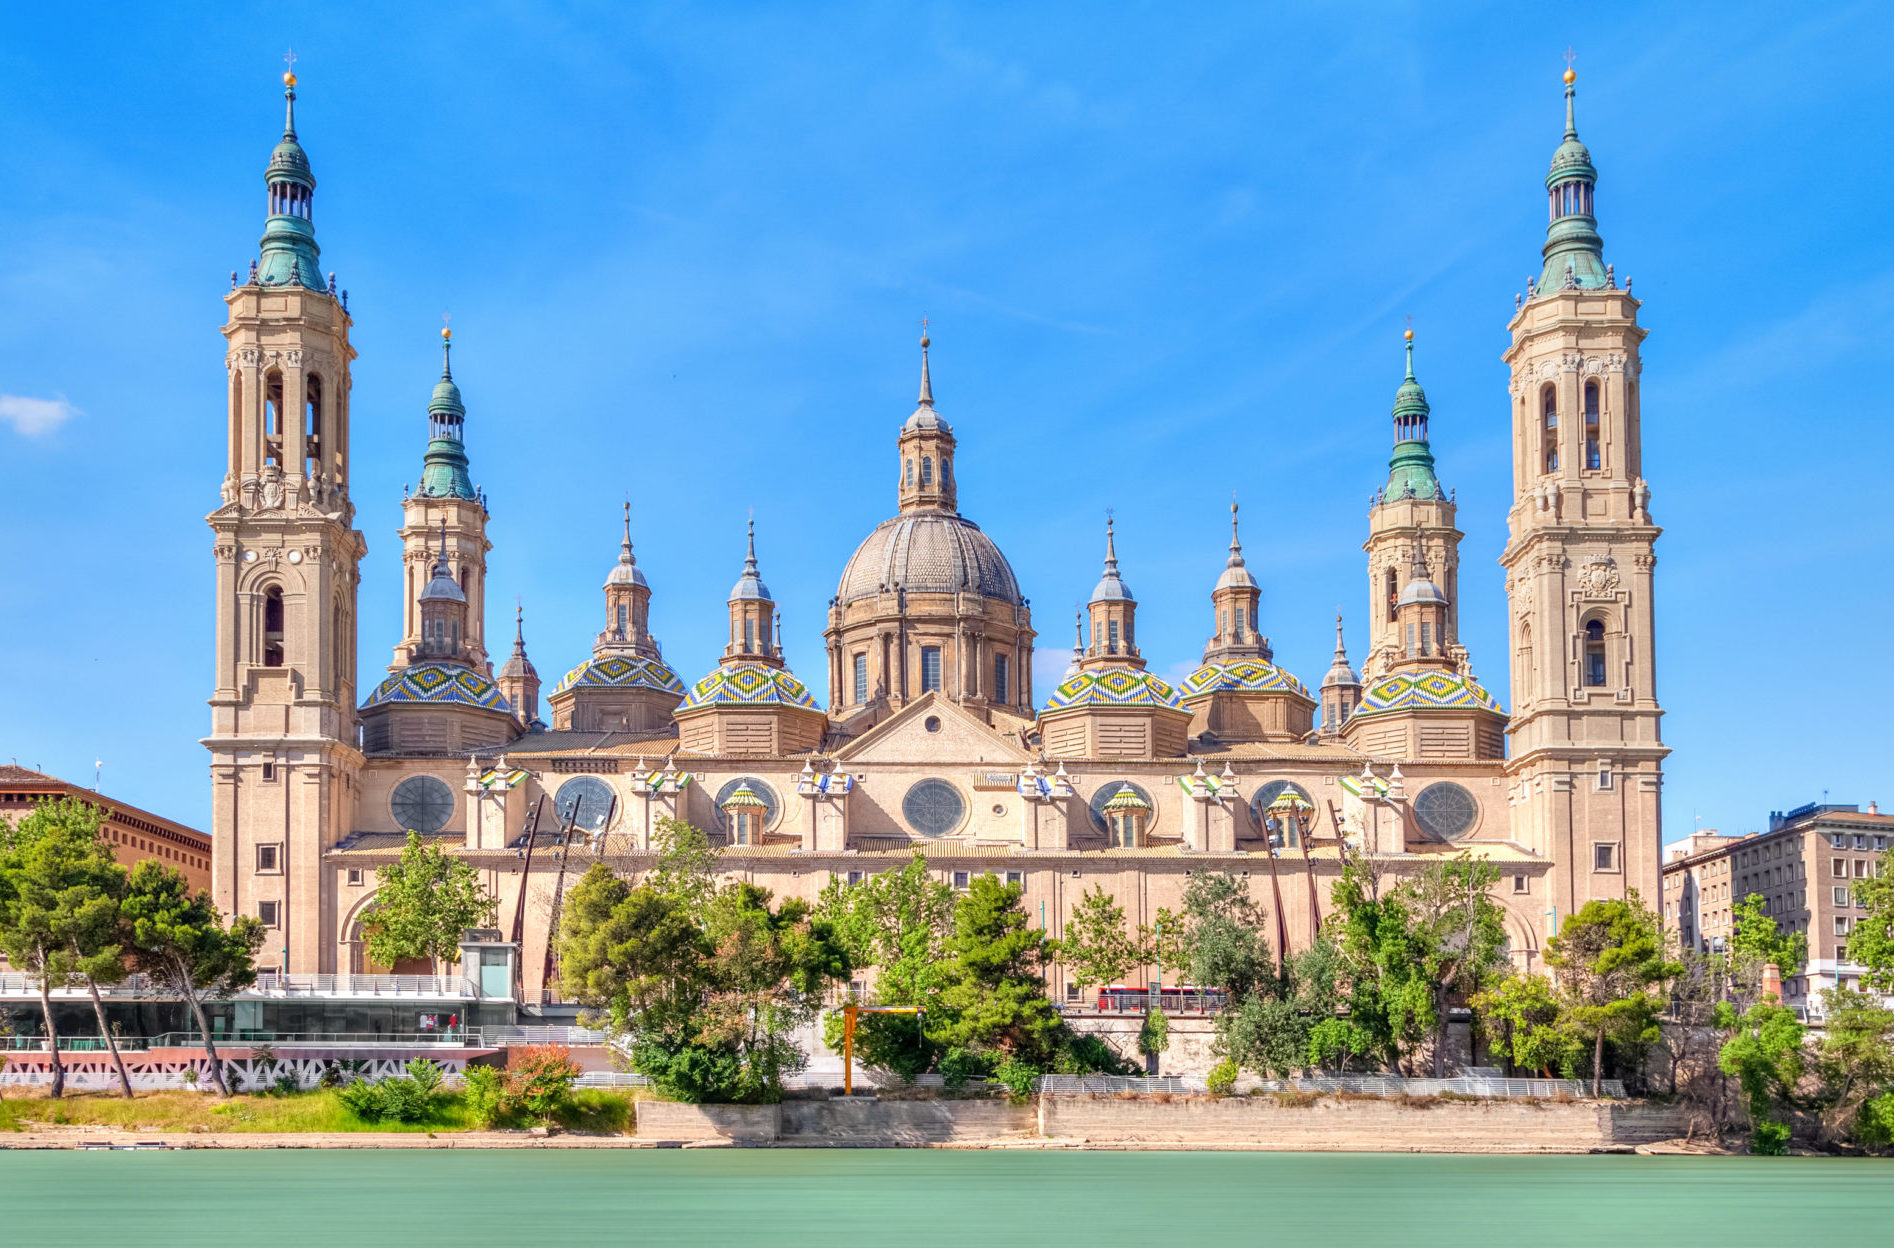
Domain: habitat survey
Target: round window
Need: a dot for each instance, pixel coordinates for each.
(422, 804)
(757, 786)
(587, 802)
(933, 807)
(931, 723)
(1446, 810)
(1112, 789)
(1270, 792)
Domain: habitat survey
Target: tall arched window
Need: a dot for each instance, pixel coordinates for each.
(1111, 635)
(749, 634)
(1549, 434)
(312, 423)
(273, 419)
(272, 627)
(927, 471)
(624, 618)
(1592, 456)
(909, 474)
(1595, 653)
(1002, 673)
(1393, 594)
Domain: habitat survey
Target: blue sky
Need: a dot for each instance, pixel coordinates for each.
(1167, 252)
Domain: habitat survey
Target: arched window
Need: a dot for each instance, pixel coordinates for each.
(946, 472)
(908, 476)
(624, 618)
(312, 423)
(927, 471)
(1549, 436)
(1002, 670)
(1111, 637)
(1125, 829)
(1592, 458)
(749, 633)
(1595, 653)
(273, 419)
(273, 627)
(1393, 594)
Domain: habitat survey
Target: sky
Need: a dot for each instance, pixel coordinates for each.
(1166, 253)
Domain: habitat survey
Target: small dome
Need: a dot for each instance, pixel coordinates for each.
(1435, 690)
(442, 588)
(743, 795)
(625, 572)
(619, 672)
(1421, 589)
(1571, 158)
(289, 163)
(928, 552)
(438, 684)
(518, 666)
(1112, 686)
(1127, 798)
(750, 586)
(926, 420)
(1241, 676)
(1341, 676)
(446, 398)
(748, 684)
(1112, 589)
(1237, 576)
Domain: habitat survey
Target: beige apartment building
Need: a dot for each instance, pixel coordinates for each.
(133, 834)
(925, 732)
(1804, 868)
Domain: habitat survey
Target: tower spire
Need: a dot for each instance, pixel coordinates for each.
(1411, 467)
(927, 384)
(1573, 251)
(624, 551)
(1236, 545)
(289, 254)
(444, 468)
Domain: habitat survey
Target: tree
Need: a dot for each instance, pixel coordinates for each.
(1098, 948)
(899, 923)
(1609, 956)
(423, 904)
(1759, 939)
(1389, 997)
(1521, 1016)
(1871, 940)
(1765, 1055)
(1856, 1057)
(995, 1000)
(1154, 1034)
(59, 913)
(1219, 940)
(181, 942)
(1458, 934)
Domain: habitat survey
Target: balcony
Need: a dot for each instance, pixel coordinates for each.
(275, 985)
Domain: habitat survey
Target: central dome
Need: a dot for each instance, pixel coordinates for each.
(928, 552)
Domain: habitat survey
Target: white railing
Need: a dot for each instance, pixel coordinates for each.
(544, 1035)
(1357, 1085)
(277, 984)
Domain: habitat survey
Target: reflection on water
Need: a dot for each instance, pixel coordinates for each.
(856, 1198)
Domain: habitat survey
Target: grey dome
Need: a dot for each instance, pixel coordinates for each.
(1421, 589)
(926, 418)
(1236, 576)
(928, 552)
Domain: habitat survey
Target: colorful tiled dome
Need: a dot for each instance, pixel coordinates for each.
(1112, 686)
(748, 684)
(1436, 690)
(618, 672)
(438, 683)
(1241, 676)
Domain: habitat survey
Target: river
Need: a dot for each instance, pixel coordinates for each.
(861, 1198)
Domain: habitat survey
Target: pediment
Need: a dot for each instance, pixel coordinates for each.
(960, 737)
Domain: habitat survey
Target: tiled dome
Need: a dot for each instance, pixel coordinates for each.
(928, 553)
(748, 684)
(618, 672)
(438, 683)
(1435, 690)
(1112, 686)
(1241, 675)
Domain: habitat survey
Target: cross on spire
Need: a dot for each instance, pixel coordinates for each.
(1570, 56)
(289, 60)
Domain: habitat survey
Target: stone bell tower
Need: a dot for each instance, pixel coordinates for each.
(284, 762)
(1586, 757)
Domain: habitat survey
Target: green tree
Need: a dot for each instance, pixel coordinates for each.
(1871, 940)
(1766, 1058)
(995, 1000)
(180, 941)
(1098, 947)
(687, 861)
(1757, 939)
(1522, 1018)
(59, 912)
(424, 902)
(1219, 940)
(898, 922)
(1459, 937)
(1154, 1034)
(1856, 1057)
(1389, 997)
(1609, 957)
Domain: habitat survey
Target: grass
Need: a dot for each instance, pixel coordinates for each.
(594, 1110)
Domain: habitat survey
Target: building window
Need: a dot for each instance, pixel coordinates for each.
(1604, 856)
(1841, 925)
(910, 472)
(749, 635)
(1393, 594)
(1016, 877)
(930, 669)
(273, 627)
(746, 825)
(1549, 436)
(1427, 638)
(861, 679)
(1595, 653)
(624, 617)
(927, 471)
(960, 881)
(1838, 867)
(1002, 671)
(269, 771)
(1522, 884)
(269, 912)
(1604, 775)
(766, 818)
(933, 807)
(1446, 810)
(1126, 829)
(355, 877)
(1840, 896)
(1841, 953)
(1111, 637)
(1592, 457)
(422, 804)
(854, 878)
(269, 858)
(1861, 868)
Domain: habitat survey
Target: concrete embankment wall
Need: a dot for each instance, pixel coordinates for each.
(1321, 1124)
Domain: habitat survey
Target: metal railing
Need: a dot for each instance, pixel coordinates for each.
(1357, 1085)
(270, 984)
(544, 1035)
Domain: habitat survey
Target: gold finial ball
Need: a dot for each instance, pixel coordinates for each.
(446, 333)
(1409, 335)
(289, 80)
(1571, 76)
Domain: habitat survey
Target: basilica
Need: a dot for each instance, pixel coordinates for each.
(925, 732)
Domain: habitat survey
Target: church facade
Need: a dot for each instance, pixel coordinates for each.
(925, 732)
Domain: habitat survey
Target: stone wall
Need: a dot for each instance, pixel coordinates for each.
(887, 1123)
(742, 1124)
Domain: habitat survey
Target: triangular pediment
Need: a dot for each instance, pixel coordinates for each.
(959, 736)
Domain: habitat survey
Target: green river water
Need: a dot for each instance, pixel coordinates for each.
(844, 1198)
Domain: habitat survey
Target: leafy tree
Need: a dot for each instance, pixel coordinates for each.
(1765, 1056)
(1609, 956)
(995, 999)
(1219, 940)
(1757, 938)
(899, 923)
(687, 861)
(1856, 1057)
(1523, 1020)
(1389, 997)
(1290, 1023)
(1154, 1034)
(1871, 941)
(1458, 934)
(180, 941)
(1098, 947)
(59, 913)
(423, 904)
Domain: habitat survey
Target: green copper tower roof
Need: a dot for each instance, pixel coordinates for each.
(1411, 467)
(1574, 253)
(444, 470)
(289, 251)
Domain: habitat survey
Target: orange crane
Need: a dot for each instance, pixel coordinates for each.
(849, 1013)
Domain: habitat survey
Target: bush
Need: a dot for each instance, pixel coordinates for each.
(1155, 1035)
(1222, 1078)
(1089, 1055)
(1018, 1077)
(958, 1065)
(401, 1099)
(542, 1078)
(1874, 1125)
(1769, 1139)
(485, 1095)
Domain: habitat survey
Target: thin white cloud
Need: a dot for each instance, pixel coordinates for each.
(32, 417)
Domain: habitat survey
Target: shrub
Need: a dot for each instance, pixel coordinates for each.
(401, 1099)
(958, 1065)
(1769, 1139)
(1018, 1077)
(1089, 1054)
(1874, 1125)
(542, 1078)
(425, 1074)
(1222, 1078)
(1155, 1035)
(485, 1093)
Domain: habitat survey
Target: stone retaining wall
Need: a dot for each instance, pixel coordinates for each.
(860, 1120)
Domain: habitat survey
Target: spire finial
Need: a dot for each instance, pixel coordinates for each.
(519, 627)
(1111, 545)
(1571, 77)
(1236, 546)
(1409, 337)
(1078, 632)
(624, 552)
(749, 559)
(440, 565)
(927, 385)
(1341, 653)
(447, 347)
(289, 94)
